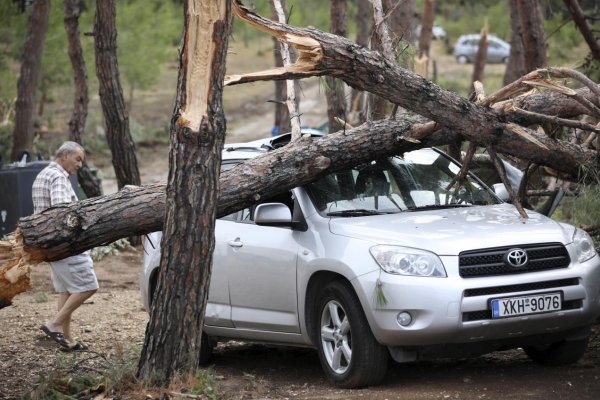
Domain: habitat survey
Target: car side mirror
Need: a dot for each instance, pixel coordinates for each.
(501, 191)
(273, 214)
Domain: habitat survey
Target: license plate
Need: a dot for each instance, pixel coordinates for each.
(524, 305)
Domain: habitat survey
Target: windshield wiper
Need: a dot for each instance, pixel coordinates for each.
(437, 206)
(354, 213)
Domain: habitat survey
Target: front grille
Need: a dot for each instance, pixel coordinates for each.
(522, 287)
(487, 314)
(486, 262)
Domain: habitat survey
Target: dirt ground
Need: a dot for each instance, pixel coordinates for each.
(113, 321)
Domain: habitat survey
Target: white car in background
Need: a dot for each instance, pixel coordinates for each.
(381, 261)
(467, 46)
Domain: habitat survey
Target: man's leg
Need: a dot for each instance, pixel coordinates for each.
(68, 303)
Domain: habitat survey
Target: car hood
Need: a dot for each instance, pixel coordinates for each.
(450, 231)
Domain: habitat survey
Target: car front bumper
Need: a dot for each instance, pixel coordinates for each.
(443, 312)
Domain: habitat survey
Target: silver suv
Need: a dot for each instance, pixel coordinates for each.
(383, 261)
(467, 46)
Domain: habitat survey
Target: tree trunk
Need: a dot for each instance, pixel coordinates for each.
(29, 77)
(111, 96)
(89, 183)
(426, 28)
(534, 37)
(282, 114)
(401, 17)
(584, 27)
(173, 337)
(516, 60)
(336, 99)
(380, 42)
(363, 22)
(480, 58)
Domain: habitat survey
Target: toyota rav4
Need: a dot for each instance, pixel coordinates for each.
(392, 259)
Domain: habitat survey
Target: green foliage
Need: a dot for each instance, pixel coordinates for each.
(56, 67)
(147, 34)
(471, 19)
(71, 379)
(205, 385)
(562, 37)
(56, 387)
(114, 248)
(586, 207)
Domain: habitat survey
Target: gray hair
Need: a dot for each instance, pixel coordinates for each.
(67, 148)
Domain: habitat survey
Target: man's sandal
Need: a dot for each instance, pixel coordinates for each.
(58, 337)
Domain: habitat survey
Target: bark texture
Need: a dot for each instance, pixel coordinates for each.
(87, 180)
(516, 60)
(426, 28)
(336, 100)
(29, 77)
(282, 114)
(174, 333)
(363, 20)
(401, 17)
(111, 96)
(481, 58)
(534, 37)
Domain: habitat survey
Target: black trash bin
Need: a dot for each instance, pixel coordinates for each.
(15, 192)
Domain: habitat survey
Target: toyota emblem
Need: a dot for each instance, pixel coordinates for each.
(516, 258)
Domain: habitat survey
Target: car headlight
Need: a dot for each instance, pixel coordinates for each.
(584, 245)
(407, 261)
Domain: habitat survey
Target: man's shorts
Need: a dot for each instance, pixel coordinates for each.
(74, 274)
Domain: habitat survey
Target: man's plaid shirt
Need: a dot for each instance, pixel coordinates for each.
(51, 187)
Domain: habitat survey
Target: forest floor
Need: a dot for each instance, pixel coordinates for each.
(113, 322)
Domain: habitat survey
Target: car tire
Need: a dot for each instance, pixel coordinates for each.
(348, 351)
(505, 60)
(462, 59)
(559, 353)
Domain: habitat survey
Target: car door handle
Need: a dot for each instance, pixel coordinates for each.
(235, 243)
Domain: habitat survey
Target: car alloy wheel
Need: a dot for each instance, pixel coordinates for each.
(350, 355)
(336, 337)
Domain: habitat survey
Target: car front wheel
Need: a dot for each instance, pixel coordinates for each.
(349, 353)
(560, 353)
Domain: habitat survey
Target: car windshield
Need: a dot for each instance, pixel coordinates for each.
(422, 179)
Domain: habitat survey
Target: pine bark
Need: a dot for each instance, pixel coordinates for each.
(534, 37)
(173, 336)
(481, 58)
(426, 28)
(111, 96)
(29, 77)
(336, 100)
(401, 17)
(90, 184)
(516, 60)
(282, 114)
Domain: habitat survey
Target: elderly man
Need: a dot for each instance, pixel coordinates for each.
(73, 278)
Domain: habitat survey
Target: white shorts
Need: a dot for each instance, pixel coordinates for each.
(74, 274)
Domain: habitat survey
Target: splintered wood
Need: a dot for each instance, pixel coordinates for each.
(14, 270)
